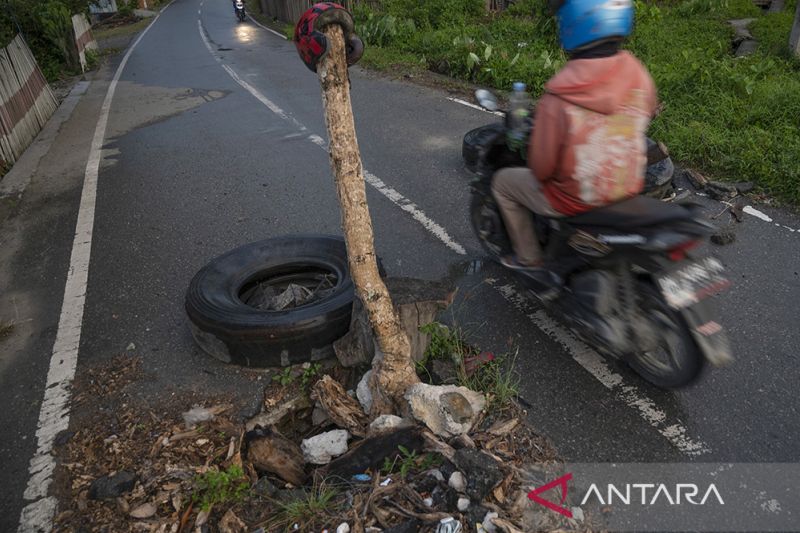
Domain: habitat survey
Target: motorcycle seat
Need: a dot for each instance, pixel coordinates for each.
(636, 212)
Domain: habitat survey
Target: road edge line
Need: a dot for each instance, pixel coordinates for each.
(54, 414)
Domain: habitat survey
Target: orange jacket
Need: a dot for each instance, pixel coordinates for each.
(588, 146)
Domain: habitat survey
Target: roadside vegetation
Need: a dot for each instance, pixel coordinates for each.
(733, 118)
(47, 28)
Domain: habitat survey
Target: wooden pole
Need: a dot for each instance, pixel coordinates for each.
(394, 372)
(794, 38)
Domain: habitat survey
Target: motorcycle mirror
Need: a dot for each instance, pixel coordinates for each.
(486, 99)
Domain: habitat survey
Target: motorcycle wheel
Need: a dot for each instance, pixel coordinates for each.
(675, 360)
(487, 223)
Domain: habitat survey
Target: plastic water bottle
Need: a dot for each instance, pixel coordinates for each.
(518, 123)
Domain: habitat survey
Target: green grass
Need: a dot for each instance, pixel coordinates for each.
(318, 506)
(116, 31)
(220, 487)
(733, 119)
(496, 379)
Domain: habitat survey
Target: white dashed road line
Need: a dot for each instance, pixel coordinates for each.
(391, 194)
(37, 516)
(595, 364)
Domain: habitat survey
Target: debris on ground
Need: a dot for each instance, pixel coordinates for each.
(265, 297)
(723, 236)
(454, 466)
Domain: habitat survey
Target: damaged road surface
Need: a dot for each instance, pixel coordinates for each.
(214, 140)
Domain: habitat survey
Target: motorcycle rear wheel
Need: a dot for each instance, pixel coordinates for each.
(676, 361)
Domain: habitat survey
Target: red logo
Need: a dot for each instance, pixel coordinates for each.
(560, 482)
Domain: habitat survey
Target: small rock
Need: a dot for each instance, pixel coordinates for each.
(387, 423)
(463, 504)
(457, 481)
(724, 236)
(144, 511)
(428, 502)
(363, 393)
(474, 516)
(109, 487)
(744, 186)
(344, 527)
(264, 488)
(740, 28)
(746, 48)
(197, 415)
(577, 514)
(487, 524)
(436, 474)
(446, 410)
(320, 449)
(319, 416)
(485, 473)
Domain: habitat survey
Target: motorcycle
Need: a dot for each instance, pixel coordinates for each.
(240, 12)
(622, 277)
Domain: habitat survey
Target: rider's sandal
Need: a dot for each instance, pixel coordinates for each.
(510, 261)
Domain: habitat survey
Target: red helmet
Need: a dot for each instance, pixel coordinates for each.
(311, 42)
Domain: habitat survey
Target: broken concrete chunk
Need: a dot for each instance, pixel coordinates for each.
(386, 423)
(457, 481)
(322, 448)
(446, 410)
(363, 392)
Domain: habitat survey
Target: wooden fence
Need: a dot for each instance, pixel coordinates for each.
(83, 37)
(26, 101)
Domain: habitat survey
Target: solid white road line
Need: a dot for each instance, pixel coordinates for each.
(473, 106)
(38, 515)
(395, 197)
(594, 363)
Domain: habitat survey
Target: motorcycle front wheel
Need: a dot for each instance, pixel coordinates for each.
(672, 359)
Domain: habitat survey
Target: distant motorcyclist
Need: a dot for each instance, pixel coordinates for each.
(238, 5)
(587, 148)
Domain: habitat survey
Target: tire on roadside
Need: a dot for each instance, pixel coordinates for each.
(229, 329)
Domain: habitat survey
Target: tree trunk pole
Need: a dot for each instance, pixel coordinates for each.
(794, 38)
(394, 372)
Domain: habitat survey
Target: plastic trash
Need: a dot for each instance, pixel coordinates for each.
(449, 525)
(362, 477)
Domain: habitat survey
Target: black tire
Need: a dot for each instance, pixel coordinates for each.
(681, 362)
(234, 332)
(475, 139)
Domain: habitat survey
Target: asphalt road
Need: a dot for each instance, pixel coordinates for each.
(213, 142)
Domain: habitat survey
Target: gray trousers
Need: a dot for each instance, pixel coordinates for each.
(518, 192)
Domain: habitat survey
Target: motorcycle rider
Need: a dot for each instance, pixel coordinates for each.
(587, 147)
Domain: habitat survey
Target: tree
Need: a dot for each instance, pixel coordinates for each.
(394, 372)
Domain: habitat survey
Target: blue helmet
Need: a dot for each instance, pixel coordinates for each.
(586, 23)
